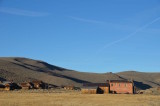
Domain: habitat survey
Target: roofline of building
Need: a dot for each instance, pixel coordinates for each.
(126, 81)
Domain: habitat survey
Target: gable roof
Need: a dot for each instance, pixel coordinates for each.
(6, 82)
(2, 86)
(117, 81)
(37, 81)
(95, 84)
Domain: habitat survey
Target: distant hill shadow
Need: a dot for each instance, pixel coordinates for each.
(68, 77)
(49, 66)
(50, 72)
(2, 79)
(141, 85)
(155, 83)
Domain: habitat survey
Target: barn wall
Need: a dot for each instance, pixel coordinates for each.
(105, 89)
(1, 89)
(122, 88)
(69, 87)
(25, 88)
(88, 91)
(7, 88)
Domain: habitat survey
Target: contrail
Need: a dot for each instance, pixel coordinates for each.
(15, 11)
(86, 20)
(127, 37)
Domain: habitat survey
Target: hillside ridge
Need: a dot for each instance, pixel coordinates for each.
(20, 69)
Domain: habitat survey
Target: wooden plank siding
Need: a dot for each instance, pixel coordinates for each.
(89, 91)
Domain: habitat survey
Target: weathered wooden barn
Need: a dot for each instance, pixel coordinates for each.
(38, 84)
(111, 86)
(68, 87)
(89, 90)
(95, 88)
(6, 85)
(33, 85)
(26, 85)
(2, 87)
(121, 86)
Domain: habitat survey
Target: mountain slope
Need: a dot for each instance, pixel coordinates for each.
(143, 80)
(24, 69)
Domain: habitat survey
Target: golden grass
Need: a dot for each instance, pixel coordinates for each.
(76, 99)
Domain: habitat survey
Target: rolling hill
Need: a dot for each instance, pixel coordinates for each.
(23, 69)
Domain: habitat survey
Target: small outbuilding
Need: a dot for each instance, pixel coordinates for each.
(2, 87)
(26, 85)
(8, 85)
(69, 87)
(38, 84)
(89, 90)
(95, 88)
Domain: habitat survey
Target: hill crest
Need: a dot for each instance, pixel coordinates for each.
(21, 69)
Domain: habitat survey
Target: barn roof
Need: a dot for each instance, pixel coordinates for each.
(125, 81)
(25, 84)
(89, 87)
(6, 82)
(2, 86)
(37, 81)
(95, 84)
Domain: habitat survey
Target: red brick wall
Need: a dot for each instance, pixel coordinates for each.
(121, 87)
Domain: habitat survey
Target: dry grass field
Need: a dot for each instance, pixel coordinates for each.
(76, 99)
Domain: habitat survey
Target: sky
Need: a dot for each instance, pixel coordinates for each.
(85, 35)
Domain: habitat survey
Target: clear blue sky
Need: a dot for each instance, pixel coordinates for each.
(84, 35)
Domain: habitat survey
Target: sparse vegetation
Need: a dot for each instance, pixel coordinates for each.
(63, 98)
(24, 70)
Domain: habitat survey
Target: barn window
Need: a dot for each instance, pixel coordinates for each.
(125, 85)
(111, 84)
(119, 84)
